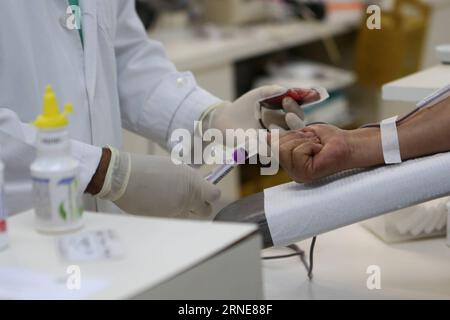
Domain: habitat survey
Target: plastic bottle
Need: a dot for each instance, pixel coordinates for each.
(57, 200)
(3, 231)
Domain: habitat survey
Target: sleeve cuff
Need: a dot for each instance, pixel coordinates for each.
(89, 158)
(191, 110)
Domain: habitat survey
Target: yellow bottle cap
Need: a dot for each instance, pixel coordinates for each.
(51, 118)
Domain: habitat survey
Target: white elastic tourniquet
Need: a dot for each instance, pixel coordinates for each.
(389, 141)
(296, 212)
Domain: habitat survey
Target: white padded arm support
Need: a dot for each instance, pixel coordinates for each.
(296, 212)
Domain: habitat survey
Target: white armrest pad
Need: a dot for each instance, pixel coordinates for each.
(299, 211)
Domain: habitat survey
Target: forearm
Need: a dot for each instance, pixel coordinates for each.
(426, 132)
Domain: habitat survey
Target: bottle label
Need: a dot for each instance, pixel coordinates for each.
(57, 202)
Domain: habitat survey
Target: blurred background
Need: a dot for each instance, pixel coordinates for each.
(233, 46)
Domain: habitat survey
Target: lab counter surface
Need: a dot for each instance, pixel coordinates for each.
(164, 259)
(169, 259)
(419, 85)
(343, 258)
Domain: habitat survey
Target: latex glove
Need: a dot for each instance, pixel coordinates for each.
(245, 113)
(154, 186)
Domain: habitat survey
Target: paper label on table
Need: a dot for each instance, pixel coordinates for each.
(91, 246)
(24, 284)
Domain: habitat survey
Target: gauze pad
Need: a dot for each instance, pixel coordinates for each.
(296, 212)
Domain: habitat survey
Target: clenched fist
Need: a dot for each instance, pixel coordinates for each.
(322, 150)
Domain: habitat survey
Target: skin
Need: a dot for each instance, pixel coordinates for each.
(322, 150)
(95, 185)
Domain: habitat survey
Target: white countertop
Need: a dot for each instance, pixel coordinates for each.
(192, 52)
(411, 270)
(417, 86)
(156, 251)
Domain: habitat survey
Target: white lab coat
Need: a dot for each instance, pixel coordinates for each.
(119, 79)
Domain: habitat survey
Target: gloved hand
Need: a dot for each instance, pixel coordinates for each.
(245, 113)
(154, 186)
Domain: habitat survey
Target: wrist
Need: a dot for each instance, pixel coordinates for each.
(208, 119)
(98, 179)
(365, 148)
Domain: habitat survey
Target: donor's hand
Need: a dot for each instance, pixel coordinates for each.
(322, 150)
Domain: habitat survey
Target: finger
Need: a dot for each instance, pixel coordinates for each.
(309, 130)
(204, 197)
(210, 192)
(294, 122)
(309, 148)
(275, 127)
(268, 91)
(201, 209)
(286, 150)
(294, 135)
(272, 117)
(287, 136)
(307, 134)
(291, 106)
(302, 157)
(300, 140)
